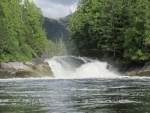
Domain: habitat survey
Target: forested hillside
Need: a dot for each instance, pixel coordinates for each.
(64, 21)
(112, 29)
(55, 30)
(21, 34)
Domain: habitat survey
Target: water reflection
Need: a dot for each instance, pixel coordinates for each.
(75, 96)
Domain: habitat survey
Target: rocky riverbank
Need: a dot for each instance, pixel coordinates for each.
(141, 71)
(38, 68)
(130, 69)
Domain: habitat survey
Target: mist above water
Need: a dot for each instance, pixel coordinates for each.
(65, 67)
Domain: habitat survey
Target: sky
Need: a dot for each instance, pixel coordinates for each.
(56, 8)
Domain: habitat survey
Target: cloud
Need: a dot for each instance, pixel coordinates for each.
(63, 2)
(56, 8)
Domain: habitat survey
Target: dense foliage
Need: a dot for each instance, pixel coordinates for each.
(21, 34)
(111, 29)
(55, 49)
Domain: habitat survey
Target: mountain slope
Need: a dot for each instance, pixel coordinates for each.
(55, 30)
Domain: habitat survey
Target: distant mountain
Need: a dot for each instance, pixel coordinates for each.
(56, 29)
(64, 21)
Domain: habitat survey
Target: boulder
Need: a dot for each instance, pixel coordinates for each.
(139, 72)
(44, 69)
(143, 71)
(7, 66)
(131, 73)
(30, 65)
(23, 70)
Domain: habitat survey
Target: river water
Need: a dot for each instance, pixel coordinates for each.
(120, 95)
(81, 94)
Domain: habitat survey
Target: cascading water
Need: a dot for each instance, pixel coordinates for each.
(79, 67)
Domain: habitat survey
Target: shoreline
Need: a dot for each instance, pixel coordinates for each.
(37, 68)
(131, 69)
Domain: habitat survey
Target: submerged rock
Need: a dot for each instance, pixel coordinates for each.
(43, 69)
(24, 70)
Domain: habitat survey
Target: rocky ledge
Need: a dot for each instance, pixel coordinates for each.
(130, 68)
(38, 68)
(143, 71)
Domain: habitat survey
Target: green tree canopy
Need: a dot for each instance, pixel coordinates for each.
(21, 33)
(111, 29)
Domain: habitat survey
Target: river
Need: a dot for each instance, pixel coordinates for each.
(91, 94)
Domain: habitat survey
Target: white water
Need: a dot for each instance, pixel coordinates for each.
(90, 69)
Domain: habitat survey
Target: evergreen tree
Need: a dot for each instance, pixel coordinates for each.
(137, 32)
(3, 33)
(54, 49)
(33, 19)
(111, 28)
(111, 38)
(21, 33)
(10, 41)
(79, 25)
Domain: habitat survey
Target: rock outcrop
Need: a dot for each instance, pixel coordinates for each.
(143, 71)
(38, 68)
(130, 68)
(139, 72)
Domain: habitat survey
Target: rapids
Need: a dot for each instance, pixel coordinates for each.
(81, 85)
(65, 67)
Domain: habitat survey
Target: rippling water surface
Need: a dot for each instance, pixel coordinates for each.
(118, 95)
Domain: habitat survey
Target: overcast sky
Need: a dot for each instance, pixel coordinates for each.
(56, 8)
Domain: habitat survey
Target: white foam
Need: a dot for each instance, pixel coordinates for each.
(92, 69)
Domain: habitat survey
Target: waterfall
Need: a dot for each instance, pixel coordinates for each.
(65, 67)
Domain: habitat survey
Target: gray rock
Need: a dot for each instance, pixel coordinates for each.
(7, 66)
(18, 65)
(23, 70)
(30, 64)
